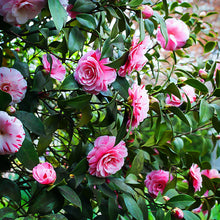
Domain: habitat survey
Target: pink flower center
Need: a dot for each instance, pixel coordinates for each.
(5, 87)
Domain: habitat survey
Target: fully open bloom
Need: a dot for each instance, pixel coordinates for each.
(178, 34)
(11, 134)
(20, 11)
(146, 11)
(92, 74)
(105, 158)
(185, 91)
(58, 71)
(196, 176)
(136, 58)
(140, 102)
(211, 174)
(12, 82)
(44, 173)
(156, 181)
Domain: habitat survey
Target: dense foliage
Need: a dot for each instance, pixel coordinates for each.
(106, 112)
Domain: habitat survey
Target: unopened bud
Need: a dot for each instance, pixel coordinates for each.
(11, 109)
(182, 79)
(166, 198)
(146, 11)
(203, 74)
(202, 14)
(178, 213)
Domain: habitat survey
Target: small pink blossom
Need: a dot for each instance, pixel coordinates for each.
(199, 209)
(44, 173)
(178, 34)
(92, 73)
(105, 158)
(178, 213)
(156, 181)
(20, 11)
(203, 74)
(58, 71)
(71, 13)
(196, 176)
(146, 11)
(211, 174)
(11, 134)
(140, 102)
(12, 82)
(136, 58)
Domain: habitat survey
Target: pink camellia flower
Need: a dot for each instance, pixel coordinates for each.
(211, 174)
(11, 134)
(140, 102)
(178, 213)
(58, 71)
(71, 13)
(92, 74)
(199, 209)
(196, 176)
(12, 82)
(136, 58)
(146, 11)
(185, 91)
(178, 34)
(20, 11)
(105, 158)
(44, 173)
(156, 181)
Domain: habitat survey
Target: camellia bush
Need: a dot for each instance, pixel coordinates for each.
(109, 109)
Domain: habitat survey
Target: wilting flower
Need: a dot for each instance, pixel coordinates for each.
(178, 213)
(136, 58)
(12, 82)
(156, 181)
(139, 100)
(92, 73)
(196, 176)
(44, 173)
(106, 158)
(11, 134)
(178, 34)
(58, 71)
(20, 11)
(211, 174)
(146, 11)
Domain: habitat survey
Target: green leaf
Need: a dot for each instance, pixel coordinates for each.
(112, 12)
(93, 180)
(51, 217)
(86, 20)
(78, 102)
(27, 155)
(209, 46)
(81, 167)
(181, 201)
(70, 195)
(190, 216)
(132, 207)
(197, 85)
(141, 28)
(8, 213)
(167, 136)
(107, 50)
(121, 85)
(176, 111)
(5, 99)
(69, 83)
(43, 143)
(186, 5)
(116, 64)
(172, 88)
(216, 124)
(138, 163)
(22, 67)
(83, 6)
(31, 122)
(10, 190)
(58, 13)
(205, 111)
(76, 40)
(165, 8)
(112, 209)
(46, 202)
(149, 26)
(135, 3)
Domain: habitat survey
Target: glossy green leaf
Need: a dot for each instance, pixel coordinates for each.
(8, 213)
(5, 99)
(58, 13)
(188, 215)
(132, 207)
(138, 163)
(86, 20)
(205, 111)
(10, 190)
(22, 67)
(121, 85)
(69, 83)
(119, 62)
(83, 6)
(186, 5)
(209, 46)
(31, 122)
(165, 8)
(197, 85)
(173, 89)
(27, 155)
(149, 26)
(181, 201)
(112, 209)
(176, 111)
(70, 195)
(135, 3)
(107, 50)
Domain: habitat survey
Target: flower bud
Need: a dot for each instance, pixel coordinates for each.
(146, 11)
(178, 213)
(11, 109)
(202, 14)
(166, 198)
(182, 79)
(203, 74)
